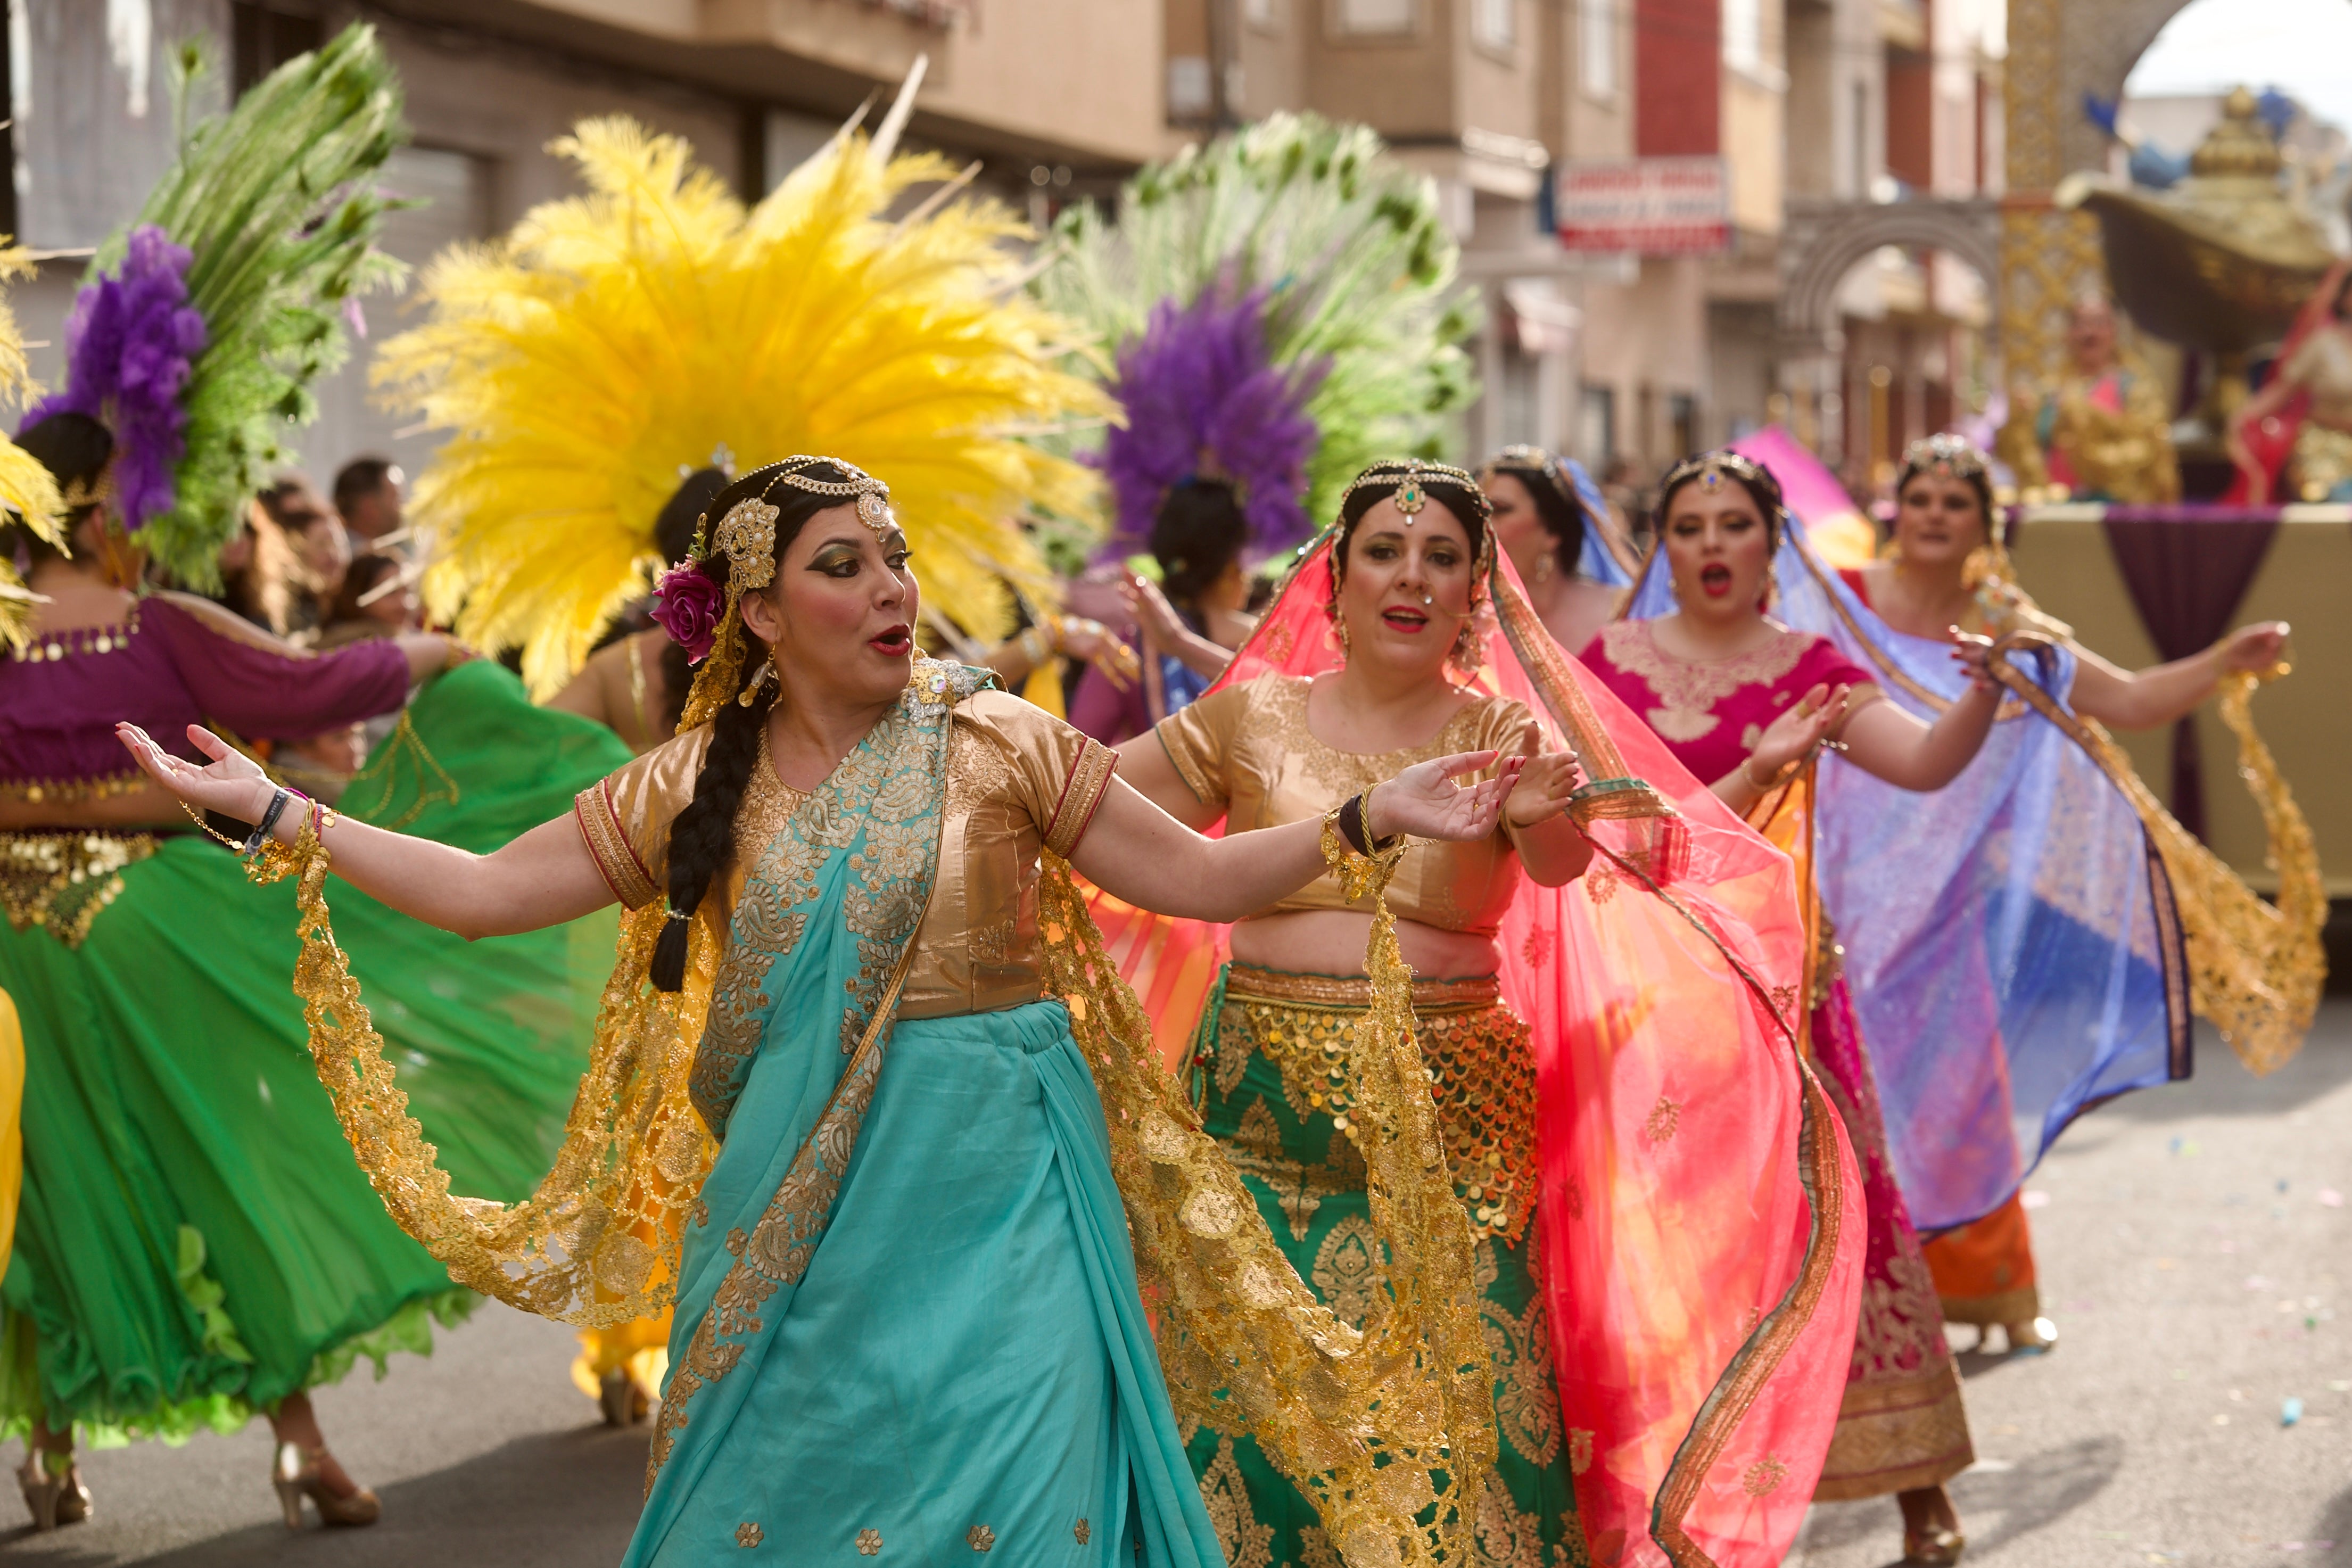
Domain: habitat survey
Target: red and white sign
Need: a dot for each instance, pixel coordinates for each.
(1645, 206)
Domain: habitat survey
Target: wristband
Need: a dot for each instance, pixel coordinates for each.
(260, 834)
(1355, 826)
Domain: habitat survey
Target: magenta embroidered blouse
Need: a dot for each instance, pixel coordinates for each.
(1712, 712)
(175, 660)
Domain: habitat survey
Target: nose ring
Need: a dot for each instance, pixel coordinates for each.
(1427, 599)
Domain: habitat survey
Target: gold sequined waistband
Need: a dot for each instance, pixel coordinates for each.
(61, 880)
(1351, 993)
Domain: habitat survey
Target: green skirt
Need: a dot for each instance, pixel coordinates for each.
(195, 1241)
(1308, 1181)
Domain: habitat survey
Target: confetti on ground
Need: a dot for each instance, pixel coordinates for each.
(2033, 1198)
(2331, 1198)
(2289, 1410)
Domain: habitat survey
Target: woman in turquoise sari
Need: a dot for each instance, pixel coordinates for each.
(908, 1315)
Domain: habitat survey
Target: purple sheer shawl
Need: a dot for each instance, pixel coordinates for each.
(2009, 939)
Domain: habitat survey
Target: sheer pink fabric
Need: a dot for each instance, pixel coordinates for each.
(1701, 1216)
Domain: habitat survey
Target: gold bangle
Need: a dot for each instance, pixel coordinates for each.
(1358, 874)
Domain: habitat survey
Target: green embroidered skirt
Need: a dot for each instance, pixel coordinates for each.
(195, 1241)
(1272, 1073)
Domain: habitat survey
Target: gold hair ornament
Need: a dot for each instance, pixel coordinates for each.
(873, 495)
(1548, 464)
(1412, 476)
(1710, 469)
(1946, 456)
(747, 537)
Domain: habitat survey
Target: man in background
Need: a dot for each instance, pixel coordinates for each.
(367, 498)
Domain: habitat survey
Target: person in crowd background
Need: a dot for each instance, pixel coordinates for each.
(368, 499)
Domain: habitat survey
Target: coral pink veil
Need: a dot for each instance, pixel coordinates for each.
(1700, 1227)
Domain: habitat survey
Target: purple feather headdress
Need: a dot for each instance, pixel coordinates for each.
(1203, 400)
(130, 340)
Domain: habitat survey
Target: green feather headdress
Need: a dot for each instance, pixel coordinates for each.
(274, 203)
(1360, 267)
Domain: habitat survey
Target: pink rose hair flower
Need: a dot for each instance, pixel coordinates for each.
(687, 606)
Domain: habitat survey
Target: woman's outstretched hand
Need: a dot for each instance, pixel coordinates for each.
(1151, 608)
(1974, 654)
(231, 784)
(1425, 801)
(1545, 786)
(2252, 649)
(1792, 737)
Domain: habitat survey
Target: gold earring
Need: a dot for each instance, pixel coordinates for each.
(752, 688)
(1339, 625)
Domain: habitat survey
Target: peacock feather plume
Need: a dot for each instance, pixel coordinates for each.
(200, 328)
(614, 337)
(1357, 267)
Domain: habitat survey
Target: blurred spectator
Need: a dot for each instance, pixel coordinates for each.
(1620, 484)
(259, 570)
(323, 550)
(322, 765)
(367, 498)
(378, 599)
(1188, 622)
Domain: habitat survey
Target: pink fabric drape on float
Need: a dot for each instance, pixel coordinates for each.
(1701, 1214)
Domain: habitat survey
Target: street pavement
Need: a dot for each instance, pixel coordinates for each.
(2193, 1245)
(2194, 1248)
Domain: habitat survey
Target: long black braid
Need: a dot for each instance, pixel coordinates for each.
(702, 837)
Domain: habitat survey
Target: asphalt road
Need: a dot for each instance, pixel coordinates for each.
(2193, 1244)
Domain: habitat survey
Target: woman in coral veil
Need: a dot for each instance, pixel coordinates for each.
(1665, 1260)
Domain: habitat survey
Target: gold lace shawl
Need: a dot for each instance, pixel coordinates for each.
(1376, 1426)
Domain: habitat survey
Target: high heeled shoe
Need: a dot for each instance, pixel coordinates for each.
(623, 1399)
(55, 1498)
(1933, 1545)
(295, 1474)
(2033, 1336)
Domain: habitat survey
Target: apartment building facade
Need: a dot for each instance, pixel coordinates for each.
(1052, 98)
(1599, 352)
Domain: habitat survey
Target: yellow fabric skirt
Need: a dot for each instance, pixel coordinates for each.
(12, 1128)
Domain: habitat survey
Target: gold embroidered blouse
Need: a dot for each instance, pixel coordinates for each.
(1248, 750)
(1019, 781)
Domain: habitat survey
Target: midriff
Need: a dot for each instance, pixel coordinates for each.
(1331, 941)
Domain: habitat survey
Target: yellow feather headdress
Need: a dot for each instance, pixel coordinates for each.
(27, 487)
(613, 337)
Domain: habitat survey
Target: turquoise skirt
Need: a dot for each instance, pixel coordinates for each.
(966, 1366)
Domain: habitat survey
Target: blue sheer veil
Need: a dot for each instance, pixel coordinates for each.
(2010, 940)
(1597, 562)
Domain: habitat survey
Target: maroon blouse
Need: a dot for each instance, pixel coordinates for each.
(175, 661)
